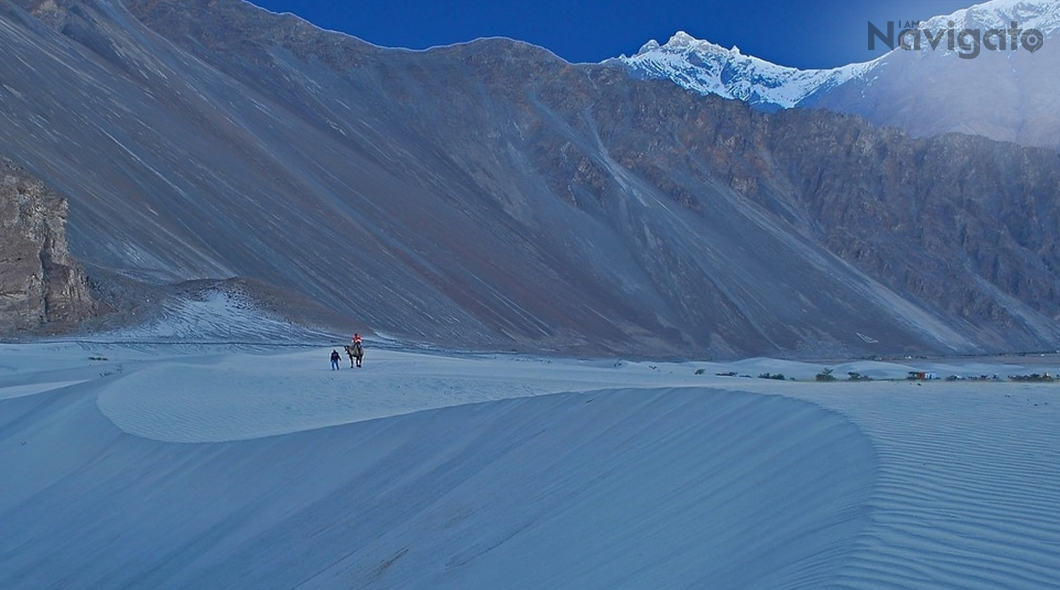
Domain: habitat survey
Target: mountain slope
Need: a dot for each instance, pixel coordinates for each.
(490, 195)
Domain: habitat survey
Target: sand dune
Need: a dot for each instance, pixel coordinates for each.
(425, 471)
(969, 480)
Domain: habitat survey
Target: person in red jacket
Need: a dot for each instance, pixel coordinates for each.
(355, 351)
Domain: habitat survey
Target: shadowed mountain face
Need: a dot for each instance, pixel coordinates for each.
(1003, 95)
(490, 195)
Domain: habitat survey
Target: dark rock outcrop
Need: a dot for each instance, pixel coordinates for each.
(41, 286)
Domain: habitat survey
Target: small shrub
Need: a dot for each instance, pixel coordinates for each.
(1033, 377)
(778, 376)
(825, 375)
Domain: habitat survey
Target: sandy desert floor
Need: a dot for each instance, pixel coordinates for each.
(160, 466)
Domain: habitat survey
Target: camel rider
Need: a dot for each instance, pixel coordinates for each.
(356, 340)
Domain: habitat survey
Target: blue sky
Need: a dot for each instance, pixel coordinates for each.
(799, 33)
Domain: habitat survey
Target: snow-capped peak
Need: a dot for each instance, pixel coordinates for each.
(708, 68)
(1043, 15)
(683, 41)
(649, 46)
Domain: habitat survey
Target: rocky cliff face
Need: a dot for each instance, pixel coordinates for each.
(41, 285)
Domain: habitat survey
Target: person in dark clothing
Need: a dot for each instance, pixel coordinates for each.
(335, 360)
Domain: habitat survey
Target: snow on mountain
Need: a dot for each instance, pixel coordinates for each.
(1043, 15)
(707, 68)
(997, 15)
